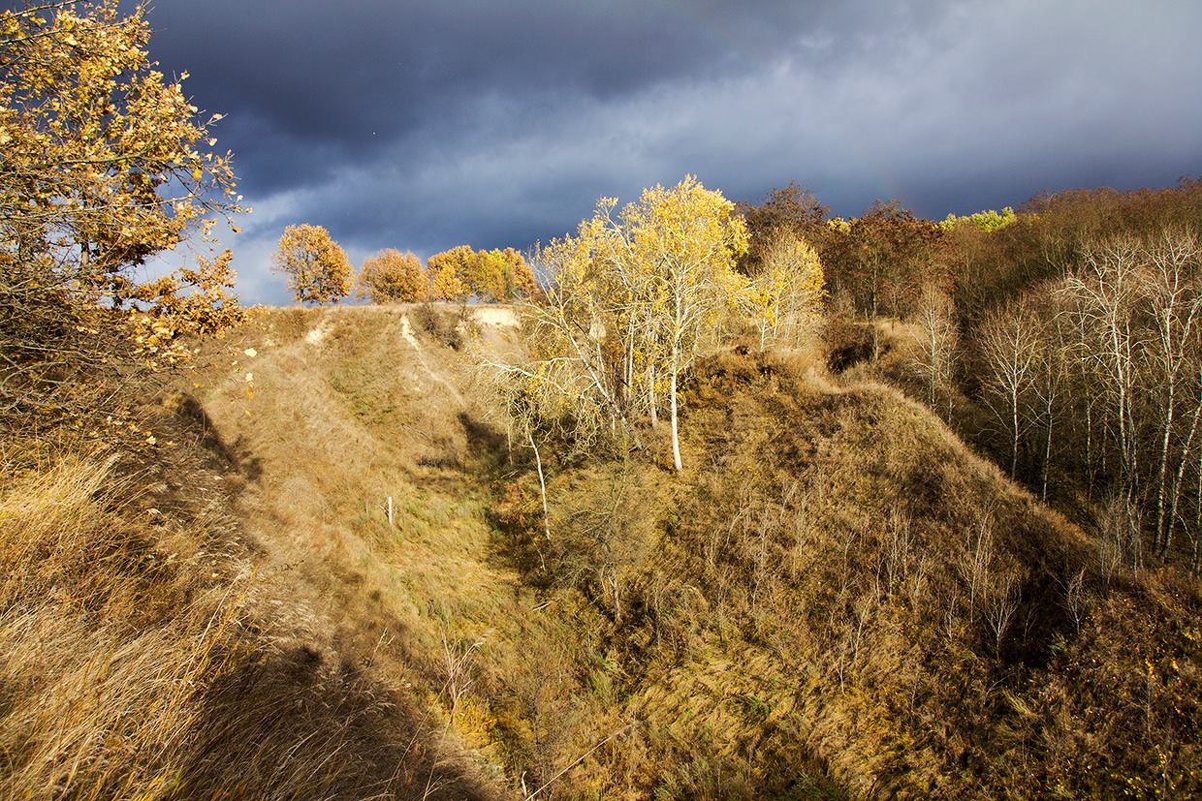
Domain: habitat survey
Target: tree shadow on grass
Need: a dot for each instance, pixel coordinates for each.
(297, 724)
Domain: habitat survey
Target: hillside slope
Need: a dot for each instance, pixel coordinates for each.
(838, 581)
(835, 599)
(329, 414)
(178, 615)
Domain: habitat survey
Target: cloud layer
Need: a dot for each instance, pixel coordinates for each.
(426, 124)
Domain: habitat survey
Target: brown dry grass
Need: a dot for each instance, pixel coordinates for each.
(836, 599)
(144, 658)
(346, 408)
(109, 643)
(157, 647)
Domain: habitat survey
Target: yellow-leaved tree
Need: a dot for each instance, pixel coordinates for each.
(485, 275)
(685, 240)
(448, 272)
(517, 277)
(317, 268)
(499, 275)
(104, 162)
(629, 302)
(194, 301)
(783, 299)
(392, 277)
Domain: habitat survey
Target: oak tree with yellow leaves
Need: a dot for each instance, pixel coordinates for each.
(447, 270)
(500, 275)
(104, 162)
(392, 277)
(486, 275)
(317, 268)
(193, 302)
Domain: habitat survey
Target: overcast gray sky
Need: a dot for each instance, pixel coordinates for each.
(425, 124)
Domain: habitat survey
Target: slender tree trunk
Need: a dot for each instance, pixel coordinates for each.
(1179, 480)
(542, 483)
(652, 400)
(1047, 449)
(672, 404)
(628, 366)
(1162, 478)
(1014, 423)
(1090, 470)
(933, 355)
(876, 342)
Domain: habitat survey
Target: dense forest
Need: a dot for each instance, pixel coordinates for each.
(701, 499)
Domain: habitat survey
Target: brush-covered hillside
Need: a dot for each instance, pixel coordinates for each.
(835, 598)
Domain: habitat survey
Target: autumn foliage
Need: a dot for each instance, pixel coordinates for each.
(105, 160)
(105, 163)
(193, 302)
(488, 275)
(317, 268)
(632, 299)
(392, 277)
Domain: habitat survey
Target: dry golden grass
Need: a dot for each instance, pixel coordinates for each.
(110, 642)
(837, 599)
(349, 407)
(136, 666)
(157, 645)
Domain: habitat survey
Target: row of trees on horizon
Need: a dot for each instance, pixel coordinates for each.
(319, 271)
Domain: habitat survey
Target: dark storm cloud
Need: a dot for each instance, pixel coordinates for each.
(353, 77)
(425, 124)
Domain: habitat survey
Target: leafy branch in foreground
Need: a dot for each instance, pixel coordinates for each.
(106, 163)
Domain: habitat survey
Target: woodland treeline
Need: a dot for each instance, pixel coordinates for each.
(1062, 338)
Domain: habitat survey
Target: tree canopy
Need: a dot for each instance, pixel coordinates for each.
(631, 300)
(103, 156)
(317, 268)
(105, 162)
(392, 277)
(487, 275)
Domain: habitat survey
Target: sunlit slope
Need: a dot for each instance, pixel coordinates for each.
(329, 413)
(190, 611)
(837, 598)
(838, 586)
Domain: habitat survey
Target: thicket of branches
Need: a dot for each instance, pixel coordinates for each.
(1094, 380)
(630, 301)
(1064, 338)
(105, 163)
